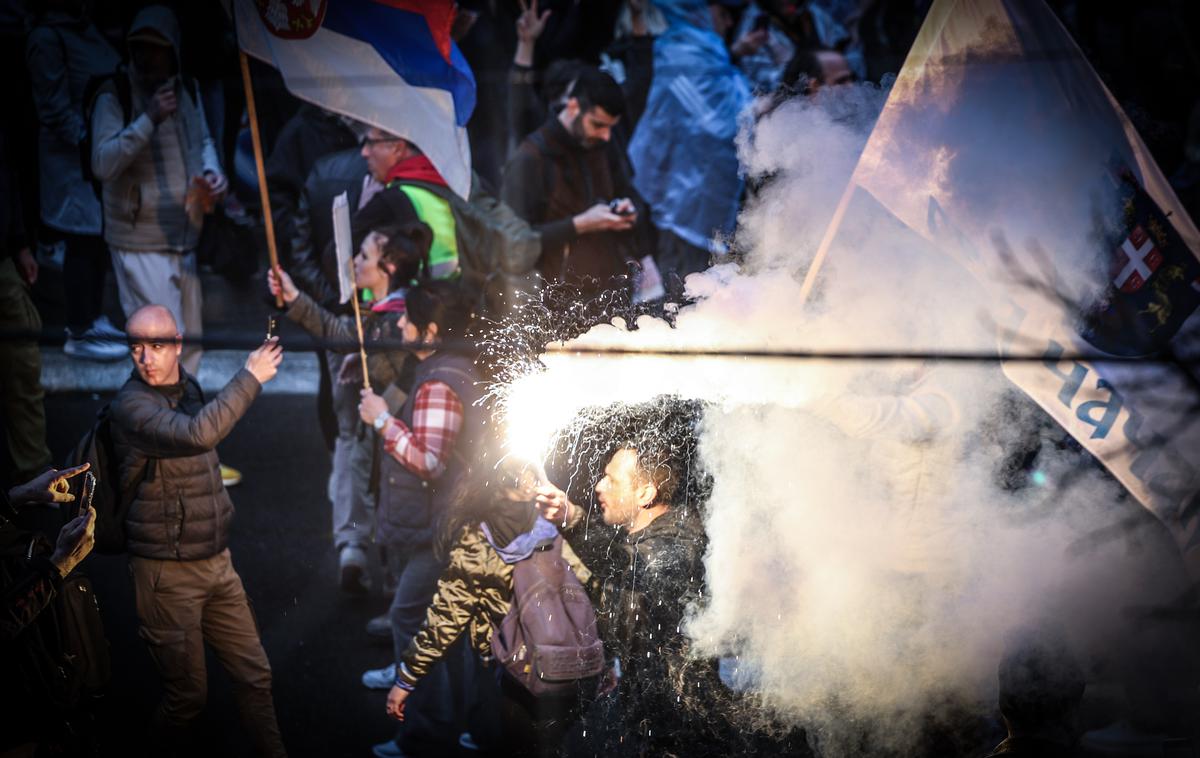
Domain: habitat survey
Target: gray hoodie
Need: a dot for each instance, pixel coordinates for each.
(147, 169)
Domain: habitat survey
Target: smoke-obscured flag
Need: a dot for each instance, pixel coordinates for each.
(1000, 144)
(388, 63)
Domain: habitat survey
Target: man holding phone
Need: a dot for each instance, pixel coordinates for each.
(165, 433)
(152, 153)
(575, 187)
(32, 622)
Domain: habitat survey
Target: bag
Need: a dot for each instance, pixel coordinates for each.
(81, 632)
(110, 501)
(548, 640)
(65, 655)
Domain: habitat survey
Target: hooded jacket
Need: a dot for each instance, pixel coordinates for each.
(165, 439)
(146, 169)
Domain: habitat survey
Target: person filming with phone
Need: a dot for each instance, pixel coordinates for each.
(156, 162)
(188, 594)
(40, 711)
(575, 187)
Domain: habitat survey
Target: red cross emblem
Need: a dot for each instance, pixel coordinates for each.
(291, 19)
(1138, 259)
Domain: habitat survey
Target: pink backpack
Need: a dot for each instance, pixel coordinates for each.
(548, 640)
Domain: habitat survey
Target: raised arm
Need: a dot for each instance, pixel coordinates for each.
(163, 432)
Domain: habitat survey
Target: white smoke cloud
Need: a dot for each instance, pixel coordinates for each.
(864, 561)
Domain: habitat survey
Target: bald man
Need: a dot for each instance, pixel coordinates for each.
(177, 532)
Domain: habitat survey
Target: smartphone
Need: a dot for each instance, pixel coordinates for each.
(270, 328)
(613, 206)
(84, 500)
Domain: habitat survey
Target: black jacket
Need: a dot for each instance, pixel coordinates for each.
(29, 583)
(642, 592)
(165, 438)
(313, 261)
(549, 180)
(307, 137)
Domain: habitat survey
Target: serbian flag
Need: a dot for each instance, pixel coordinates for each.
(387, 63)
(1001, 146)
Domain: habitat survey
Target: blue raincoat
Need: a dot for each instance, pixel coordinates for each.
(683, 151)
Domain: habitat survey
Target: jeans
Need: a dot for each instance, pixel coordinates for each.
(350, 479)
(417, 573)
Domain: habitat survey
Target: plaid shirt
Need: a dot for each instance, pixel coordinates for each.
(436, 422)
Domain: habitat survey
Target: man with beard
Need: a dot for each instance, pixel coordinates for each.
(667, 701)
(574, 187)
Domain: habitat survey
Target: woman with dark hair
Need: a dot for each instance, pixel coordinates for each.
(428, 450)
(493, 526)
(394, 245)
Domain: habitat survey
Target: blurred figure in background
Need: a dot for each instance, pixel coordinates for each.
(683, 152)
(21, 394)
(152, 151)
(66, 53)
(570, 183)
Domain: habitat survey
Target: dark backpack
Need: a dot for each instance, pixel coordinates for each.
(64, 657)
(110, 500)
(548, 641)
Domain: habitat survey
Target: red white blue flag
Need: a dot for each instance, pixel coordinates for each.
(387, 63)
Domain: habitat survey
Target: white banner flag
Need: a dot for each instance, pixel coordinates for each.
(343, 244)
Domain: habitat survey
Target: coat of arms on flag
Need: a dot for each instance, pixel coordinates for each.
(292, 19)
(1150, 292)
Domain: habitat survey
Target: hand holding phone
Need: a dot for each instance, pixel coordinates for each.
(84, 501)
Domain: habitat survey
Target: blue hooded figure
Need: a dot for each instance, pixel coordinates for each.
(683, 149)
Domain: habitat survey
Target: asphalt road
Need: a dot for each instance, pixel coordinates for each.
(312, 632)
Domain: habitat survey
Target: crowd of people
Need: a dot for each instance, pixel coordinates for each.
(605, 165)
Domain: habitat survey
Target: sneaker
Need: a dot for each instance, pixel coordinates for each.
(230, 476)
(352, 568)
(51, 257)
(467, 742)
(388, 749)
(103, 327)
(380, 679)
(380, 627)
(91, 346)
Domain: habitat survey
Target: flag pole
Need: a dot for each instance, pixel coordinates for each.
(362, 350)
(835, 223)
(268, 220)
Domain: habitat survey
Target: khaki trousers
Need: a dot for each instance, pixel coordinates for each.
(183, 604)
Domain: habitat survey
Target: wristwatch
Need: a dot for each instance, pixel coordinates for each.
(381, 420)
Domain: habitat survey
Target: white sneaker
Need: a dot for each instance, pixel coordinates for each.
(103, 327)
(380, 679)
(92, 346)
